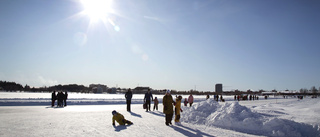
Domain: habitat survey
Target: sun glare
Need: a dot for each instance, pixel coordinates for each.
(97, 9)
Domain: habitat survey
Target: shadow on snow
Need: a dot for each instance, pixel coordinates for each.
(135, 114)
(55, 107)
(157, 113)
(120, 127)
(186, 131)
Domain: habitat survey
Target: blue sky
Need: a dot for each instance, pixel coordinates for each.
(181, 44)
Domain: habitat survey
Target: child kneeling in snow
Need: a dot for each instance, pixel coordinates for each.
(177, 110)
(119, 118)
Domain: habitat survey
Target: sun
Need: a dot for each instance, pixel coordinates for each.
(99, 12)
(97, 9)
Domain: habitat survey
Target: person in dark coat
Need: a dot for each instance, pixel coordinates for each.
(53, 98)
(60, 97)
(168, 107)
(128, 96)
(185, 102)
(147, 98)
(65, 98)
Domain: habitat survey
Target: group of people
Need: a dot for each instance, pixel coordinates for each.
(189, 100)
(216, 98)
(147, 100)
(246, 97)
(62, 98)
(168, 104)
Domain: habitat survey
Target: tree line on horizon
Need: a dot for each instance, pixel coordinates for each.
(12, 86)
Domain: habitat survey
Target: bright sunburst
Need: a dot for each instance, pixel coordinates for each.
(97, 9)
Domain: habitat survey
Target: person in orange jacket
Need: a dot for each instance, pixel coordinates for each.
(177, 110)
(119, 118)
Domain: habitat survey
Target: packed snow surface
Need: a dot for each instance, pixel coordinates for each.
(30, 114)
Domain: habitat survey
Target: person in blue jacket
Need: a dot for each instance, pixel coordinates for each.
(128, 96)
(147, 98)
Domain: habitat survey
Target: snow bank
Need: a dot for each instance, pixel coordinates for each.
(233, 116)
(44, 99)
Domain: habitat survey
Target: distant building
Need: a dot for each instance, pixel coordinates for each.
(112, 90)
(219, 88)
(141, 89)
(98, 88)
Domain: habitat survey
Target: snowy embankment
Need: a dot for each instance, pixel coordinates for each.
(43, 99)
(240, 118)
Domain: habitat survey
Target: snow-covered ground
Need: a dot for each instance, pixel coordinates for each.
(30, 114)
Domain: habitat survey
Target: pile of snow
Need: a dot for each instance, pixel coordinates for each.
(233, 116)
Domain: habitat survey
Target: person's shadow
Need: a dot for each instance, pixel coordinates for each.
(135, 114)
(157, 113)
(55, 107)
(120, 127)
(198, 133)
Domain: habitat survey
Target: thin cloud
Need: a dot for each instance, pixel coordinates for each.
(47, 82)
(152, 18)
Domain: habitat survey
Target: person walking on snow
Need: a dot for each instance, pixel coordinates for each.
(65, 97)
(168, 107)
(147, 98)
(128, 96)
(60, 97)
(53, 98)
(155, 105)
(177, 110)
(119, 118)
(190, 100)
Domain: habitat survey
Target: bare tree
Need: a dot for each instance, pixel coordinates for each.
(303, 90)
(314, 90)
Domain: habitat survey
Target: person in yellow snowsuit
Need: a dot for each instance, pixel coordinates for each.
(177, 109)
(119, 118)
